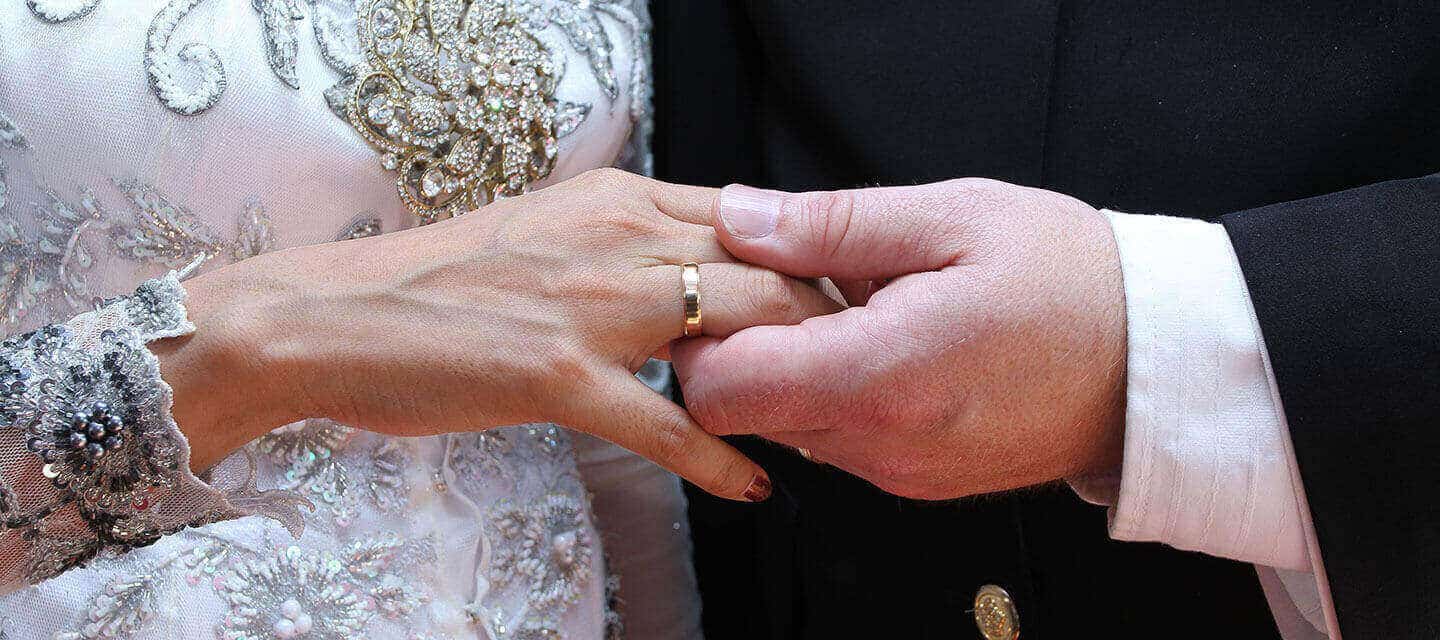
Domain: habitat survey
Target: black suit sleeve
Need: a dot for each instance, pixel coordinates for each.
(1347, 290)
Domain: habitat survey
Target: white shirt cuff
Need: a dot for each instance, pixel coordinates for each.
(1206, 464)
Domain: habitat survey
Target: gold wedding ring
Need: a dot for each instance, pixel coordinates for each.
(805, 453)
(690, 278)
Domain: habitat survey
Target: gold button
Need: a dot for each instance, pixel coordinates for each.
(995, 614)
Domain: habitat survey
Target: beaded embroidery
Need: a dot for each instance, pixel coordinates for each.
(89, 402)
(544, 551)
(336, 465)
(45, 270)
(191, 80)
(296, 593)
(57, 11)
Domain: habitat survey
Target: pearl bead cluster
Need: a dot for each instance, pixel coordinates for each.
(294, 622)
(95, 431)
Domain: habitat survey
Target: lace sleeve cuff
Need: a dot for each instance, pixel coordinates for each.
(91, 460)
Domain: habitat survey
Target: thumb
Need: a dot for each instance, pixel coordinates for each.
(856, 234)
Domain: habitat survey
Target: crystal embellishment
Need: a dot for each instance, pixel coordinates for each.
(461, 95)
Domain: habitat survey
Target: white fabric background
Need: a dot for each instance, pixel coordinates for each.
(79, 93)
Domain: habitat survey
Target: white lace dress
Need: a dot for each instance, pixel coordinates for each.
(140, 138)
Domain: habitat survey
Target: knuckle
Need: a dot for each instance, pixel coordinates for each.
(828, 216)
(562, 360)
(607, 179)
(982, 196)
(770, 294)
(708, 410)
(673, 440)
(631, 222)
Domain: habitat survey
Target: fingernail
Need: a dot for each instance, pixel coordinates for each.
(759, 489)
(749, 212)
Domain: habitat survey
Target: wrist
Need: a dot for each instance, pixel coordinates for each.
(226, 394)
(1107, 441)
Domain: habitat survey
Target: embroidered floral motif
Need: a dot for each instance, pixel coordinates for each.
(118, 611)
(386, 480)
(4, 186)
(315, 595)
(544, 548)
(10, 138)
(57, 11)
(481, 455)
(364, 226)
(44, 269)
(336, 34)
(279, 19)
(191, 80)
(107, 394)
(310, 453)
(187, 81)
(307, 451)
(304, 440)
(253, 234)
(86, 398)
(161, 231)
(581, 24)
(203, 562)
(10, 135)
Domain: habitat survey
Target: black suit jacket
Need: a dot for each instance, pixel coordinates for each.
(1214, 110)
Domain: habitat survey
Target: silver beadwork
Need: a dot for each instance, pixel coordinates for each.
(187, 81)
(57, 11)
(295, 593)
(279, 20)
(546, 549)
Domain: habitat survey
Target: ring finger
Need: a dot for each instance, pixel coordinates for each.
(733, 296)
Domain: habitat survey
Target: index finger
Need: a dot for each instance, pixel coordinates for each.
(695, 205)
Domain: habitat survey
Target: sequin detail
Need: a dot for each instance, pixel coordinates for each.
(336, 466)
(119, 611)
(89, 403)
(545, 550)
(296, 593)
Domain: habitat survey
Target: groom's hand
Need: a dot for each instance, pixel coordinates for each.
(986, 350)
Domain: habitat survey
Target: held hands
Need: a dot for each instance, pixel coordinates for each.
(532, 309)
(985, 350)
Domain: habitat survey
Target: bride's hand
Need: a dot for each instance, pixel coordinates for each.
(533, 309)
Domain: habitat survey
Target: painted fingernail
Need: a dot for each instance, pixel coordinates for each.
(749, 212)
(759, 489)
